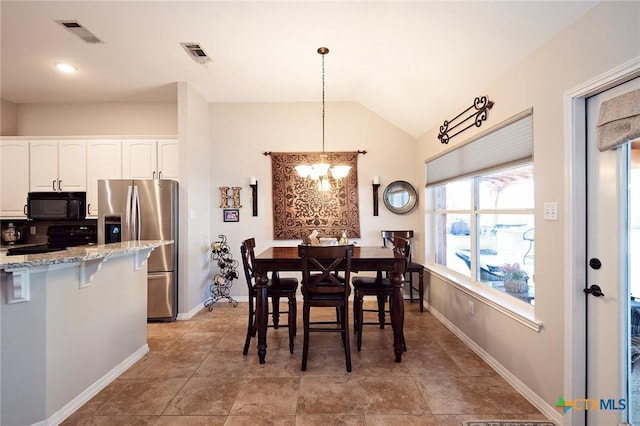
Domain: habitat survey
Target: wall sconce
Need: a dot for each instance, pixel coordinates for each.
(376, 186)
(254, 194)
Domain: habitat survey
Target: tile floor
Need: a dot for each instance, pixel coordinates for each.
(195, 374)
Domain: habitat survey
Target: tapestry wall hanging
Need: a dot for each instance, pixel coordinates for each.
(299, 207)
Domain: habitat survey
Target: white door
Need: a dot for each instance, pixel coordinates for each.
(168, 159)
(139, 159)
(14, 178)
(607, 267)
(43, 166)
(104, 161)
(72, 165)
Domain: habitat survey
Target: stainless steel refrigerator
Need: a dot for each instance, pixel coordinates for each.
(132, 209)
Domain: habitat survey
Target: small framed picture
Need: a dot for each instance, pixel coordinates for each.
(231, 215)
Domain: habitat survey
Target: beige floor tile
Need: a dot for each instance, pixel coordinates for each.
(401, 419)
(359, 395)
(330, 420)
(204, 397)
(453, 395)
(190, 421)
(225, 363)
(141, 397)
(263, 420)
(169, 363)
(111, 421)
(267, 395)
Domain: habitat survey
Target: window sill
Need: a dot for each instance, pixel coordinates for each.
(513, 308)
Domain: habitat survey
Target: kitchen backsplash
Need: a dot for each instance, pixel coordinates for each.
(35, 231)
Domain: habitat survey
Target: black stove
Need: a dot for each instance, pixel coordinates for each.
(60, 237)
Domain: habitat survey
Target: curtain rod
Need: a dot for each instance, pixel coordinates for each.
(267, 153)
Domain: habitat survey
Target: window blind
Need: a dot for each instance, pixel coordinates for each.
(511, 143)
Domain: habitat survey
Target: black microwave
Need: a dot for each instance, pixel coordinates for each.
(56, 205)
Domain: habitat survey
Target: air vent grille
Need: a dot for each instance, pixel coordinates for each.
(196, 52)
(78, 30)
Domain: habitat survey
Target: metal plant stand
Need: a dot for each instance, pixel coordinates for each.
(228, 271)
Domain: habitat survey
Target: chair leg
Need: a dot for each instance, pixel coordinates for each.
(251, 330)
(291, 321)
(381, 314)
(410, 286)
(345, 334)
(305, 344)
(276, 311)
(421, 288)
(359, 318)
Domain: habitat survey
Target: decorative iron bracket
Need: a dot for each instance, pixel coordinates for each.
(478, 111)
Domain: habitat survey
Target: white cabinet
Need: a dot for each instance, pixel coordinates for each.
(104, 161)
(168, 159)
(150, 159)
(14, 178)
(58, 165)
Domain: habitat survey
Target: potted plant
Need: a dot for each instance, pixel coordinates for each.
(515, 278)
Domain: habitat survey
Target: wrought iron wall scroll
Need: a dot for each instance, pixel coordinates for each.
(478, 111)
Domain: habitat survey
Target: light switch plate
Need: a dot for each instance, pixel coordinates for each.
(551, 211)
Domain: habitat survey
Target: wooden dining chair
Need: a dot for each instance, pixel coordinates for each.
(379, 286)
(276, 288)
(412, 267)
(321, 288)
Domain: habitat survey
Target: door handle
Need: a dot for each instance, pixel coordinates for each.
(24, 210)
(53, 184)
(60, 185)
(154, 175)
(594, 290)
(89, 209)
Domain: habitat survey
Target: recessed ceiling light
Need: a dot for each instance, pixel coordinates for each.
(66, 68)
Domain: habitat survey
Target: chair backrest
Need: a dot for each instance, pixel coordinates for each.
(319, 267)
(390, 237)
(247, 249)
(402, 246)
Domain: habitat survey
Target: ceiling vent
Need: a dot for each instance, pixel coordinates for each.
(78, 30)
(196, 52)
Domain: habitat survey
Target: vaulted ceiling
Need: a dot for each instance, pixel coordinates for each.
(411, 62)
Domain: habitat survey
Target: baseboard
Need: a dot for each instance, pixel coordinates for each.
(549, 411)
(77, 402)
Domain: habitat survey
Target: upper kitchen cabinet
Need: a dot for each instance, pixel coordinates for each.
(14, 178)
(104, 161)
(58, 165)
(150, 159)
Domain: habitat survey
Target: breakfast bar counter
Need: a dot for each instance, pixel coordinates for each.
(71, 322)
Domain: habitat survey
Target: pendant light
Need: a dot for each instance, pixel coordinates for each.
(320, 171)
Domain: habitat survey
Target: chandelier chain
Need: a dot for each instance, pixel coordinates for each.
(322, 103)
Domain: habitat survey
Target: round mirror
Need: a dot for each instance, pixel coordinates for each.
(400, 197)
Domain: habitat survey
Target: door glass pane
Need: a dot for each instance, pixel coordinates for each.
(634, 282)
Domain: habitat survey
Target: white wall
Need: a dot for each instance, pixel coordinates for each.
(241, 132)
(195, 198)
(8, 118)
(606, 37)
(96, 119)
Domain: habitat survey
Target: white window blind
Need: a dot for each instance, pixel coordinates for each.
(511, 143)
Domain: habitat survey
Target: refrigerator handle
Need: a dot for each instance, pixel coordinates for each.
(138, 225)
(128, 211)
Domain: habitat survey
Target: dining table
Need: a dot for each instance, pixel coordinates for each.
(364, 258)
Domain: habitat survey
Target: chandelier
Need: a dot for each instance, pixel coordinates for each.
(320, 171)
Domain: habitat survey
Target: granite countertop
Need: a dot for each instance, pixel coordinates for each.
(78, 254)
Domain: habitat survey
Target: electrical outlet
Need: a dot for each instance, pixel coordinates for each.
(470, 307)
(551, 211)
(32, 230)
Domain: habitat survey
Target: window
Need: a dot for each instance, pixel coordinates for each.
(481, 215)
